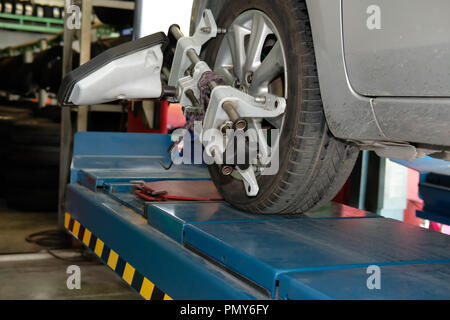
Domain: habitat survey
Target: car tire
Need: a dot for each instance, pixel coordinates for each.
(33, 156)
(314, 165)
(32, 199)
(36, 131)
(33, 165)
(8, 116)
(114, 16)
(32, 177)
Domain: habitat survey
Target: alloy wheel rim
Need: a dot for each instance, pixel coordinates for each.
(252, 58)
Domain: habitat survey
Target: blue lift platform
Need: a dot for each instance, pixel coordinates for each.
(209, 250)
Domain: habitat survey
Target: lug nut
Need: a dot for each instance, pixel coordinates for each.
(240, 124)
(227, 170)
(249, 77)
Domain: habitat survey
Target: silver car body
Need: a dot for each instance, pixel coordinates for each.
(384, 71)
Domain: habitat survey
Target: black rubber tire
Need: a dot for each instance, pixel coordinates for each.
(16, 75)
(48, 12)
(32, 177)
(314, 165)
(22, 80)
(52, 113)
(32, 199)
(15, 109)
(8, 116)
(36, 131)
(30, 174)
(9, 67)
(13, 5)
(115, 17)
(47, 68)
(33, 156)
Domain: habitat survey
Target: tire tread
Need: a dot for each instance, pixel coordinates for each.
(328, 169)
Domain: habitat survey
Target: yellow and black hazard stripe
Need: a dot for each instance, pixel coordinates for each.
(109, 257)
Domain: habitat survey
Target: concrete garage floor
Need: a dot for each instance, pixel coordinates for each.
(28, 272)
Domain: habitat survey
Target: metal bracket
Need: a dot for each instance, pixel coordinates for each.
(191, 82)
(395, 150)
(226, 104)
(206, 30)
(245, 105)
(250, 183)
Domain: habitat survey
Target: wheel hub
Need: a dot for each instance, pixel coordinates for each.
(250, 62)
(252, 57)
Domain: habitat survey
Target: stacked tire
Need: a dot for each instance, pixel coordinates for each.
(114, 16)
(33, 165)
(8, 116)
(28, 8)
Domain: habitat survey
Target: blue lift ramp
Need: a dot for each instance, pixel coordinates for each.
(209, 250)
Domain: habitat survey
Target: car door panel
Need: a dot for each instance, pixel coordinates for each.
(401, 50)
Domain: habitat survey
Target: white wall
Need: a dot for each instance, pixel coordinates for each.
(161, 14)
